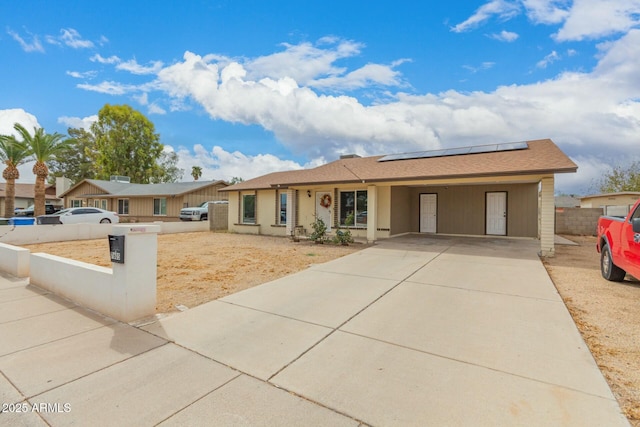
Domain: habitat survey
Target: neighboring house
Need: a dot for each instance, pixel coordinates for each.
(143, 202)
(482, 190)
(24, 195)
(567, 202)
(615, 204)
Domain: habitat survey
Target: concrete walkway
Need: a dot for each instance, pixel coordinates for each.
(413, 331)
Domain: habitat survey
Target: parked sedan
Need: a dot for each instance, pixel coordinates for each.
(80, 215)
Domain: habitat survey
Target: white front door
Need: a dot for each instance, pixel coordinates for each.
(324, 207)
(428, 213)
(497, 213)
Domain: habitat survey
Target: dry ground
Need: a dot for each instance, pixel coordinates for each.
(606, 313)
(194, 268)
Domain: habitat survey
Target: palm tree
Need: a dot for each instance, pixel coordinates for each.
(196, 172)
(44, 147)
(12, 154)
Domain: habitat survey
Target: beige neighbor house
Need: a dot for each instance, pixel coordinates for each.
(25, 194)
(498, 189)
(616, 204)
(143, 202)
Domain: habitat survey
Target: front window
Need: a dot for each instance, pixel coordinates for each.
(100, 204)
(76, 203)
(282, 208)
(160, 206)
(249, 209)
(353, 208)
(123, 206)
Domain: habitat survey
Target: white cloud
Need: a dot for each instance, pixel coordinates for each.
(503, 9)
(99, 58)
(33, 46)
(133, 67)
(72, 38)
(111, 88)
(77, 122)
(592, 19)
(549, 59)
(16, 115)
(218, 163)
(547, 11)
(80, 75)
(505, 36)
(484, 66)
(156, 109)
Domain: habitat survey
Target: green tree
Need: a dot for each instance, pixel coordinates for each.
(167, 169)
(125, 144)
(75, 162)
(235, 180)
(196, 172)
(43, 147)
(12, 153)
(621, 178)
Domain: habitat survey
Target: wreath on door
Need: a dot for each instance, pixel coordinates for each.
(325, 201)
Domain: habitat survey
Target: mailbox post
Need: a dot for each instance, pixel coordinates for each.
(134, 254)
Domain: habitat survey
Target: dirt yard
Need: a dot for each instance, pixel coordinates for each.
(194, 268)
(606, 313)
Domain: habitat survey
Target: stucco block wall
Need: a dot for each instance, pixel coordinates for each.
(218, 217)
(577, 221)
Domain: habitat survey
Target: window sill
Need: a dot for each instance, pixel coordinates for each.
(278, 225)
(247, 224)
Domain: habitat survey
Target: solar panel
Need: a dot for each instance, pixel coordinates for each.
(476, 149)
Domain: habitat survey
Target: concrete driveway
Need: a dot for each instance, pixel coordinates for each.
(413, 331)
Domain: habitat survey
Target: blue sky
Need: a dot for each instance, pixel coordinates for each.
(243, 88)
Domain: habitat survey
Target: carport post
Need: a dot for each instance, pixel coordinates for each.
(134, 280)
(372, 208)
(547, 217)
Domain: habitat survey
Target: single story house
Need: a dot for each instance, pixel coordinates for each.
(25, 193)
(143, 202)
(497, 189)
(616, 204)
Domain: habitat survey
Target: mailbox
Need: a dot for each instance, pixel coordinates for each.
(116, 248)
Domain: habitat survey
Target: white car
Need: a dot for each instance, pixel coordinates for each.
(80, 215)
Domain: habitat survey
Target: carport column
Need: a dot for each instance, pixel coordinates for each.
(547, 217)
(372, 208)
(134, 281)
(291, 211)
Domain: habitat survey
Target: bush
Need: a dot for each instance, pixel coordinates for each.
(343, 237)
(319, 234)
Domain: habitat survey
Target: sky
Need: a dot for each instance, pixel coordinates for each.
(244, 88)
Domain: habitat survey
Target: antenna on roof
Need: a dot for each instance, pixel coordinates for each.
(354, 174)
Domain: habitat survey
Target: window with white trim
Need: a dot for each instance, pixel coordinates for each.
(160, 206)
(353, 208)
(282, 208)
(123, 206)
(76, 203)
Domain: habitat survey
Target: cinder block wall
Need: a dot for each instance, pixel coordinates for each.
(577, 221)
(218, 216)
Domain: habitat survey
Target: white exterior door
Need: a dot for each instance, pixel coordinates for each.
(497, 214)
(428, 213)
(324, 207)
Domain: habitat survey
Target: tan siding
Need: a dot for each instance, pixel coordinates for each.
(400, 210)
(81, 193)
(204, 195)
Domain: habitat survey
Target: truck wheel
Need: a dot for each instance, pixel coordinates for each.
(203, 217)
(609, 270)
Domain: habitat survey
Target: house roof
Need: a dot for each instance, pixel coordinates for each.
(540, 157)
(26, 191)
(125, 189)
(622, 193)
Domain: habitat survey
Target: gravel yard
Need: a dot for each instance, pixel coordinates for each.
(194, 268)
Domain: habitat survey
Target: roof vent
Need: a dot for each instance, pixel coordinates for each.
(119, 178)
(349, 156)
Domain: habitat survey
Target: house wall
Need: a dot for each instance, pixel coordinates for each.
(401, 213)
(207, 194)
(461, 209)
(79, 193)
(609, 200)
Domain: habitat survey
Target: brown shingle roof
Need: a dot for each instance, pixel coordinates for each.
(541, 157)
(26, 191)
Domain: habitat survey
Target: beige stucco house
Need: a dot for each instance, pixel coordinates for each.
(498, 189)
(25, 195)
(617, 204)
(143, 202)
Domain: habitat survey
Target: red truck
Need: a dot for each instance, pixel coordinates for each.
(619, 245)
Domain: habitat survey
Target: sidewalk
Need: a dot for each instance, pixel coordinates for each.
(409, 332)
